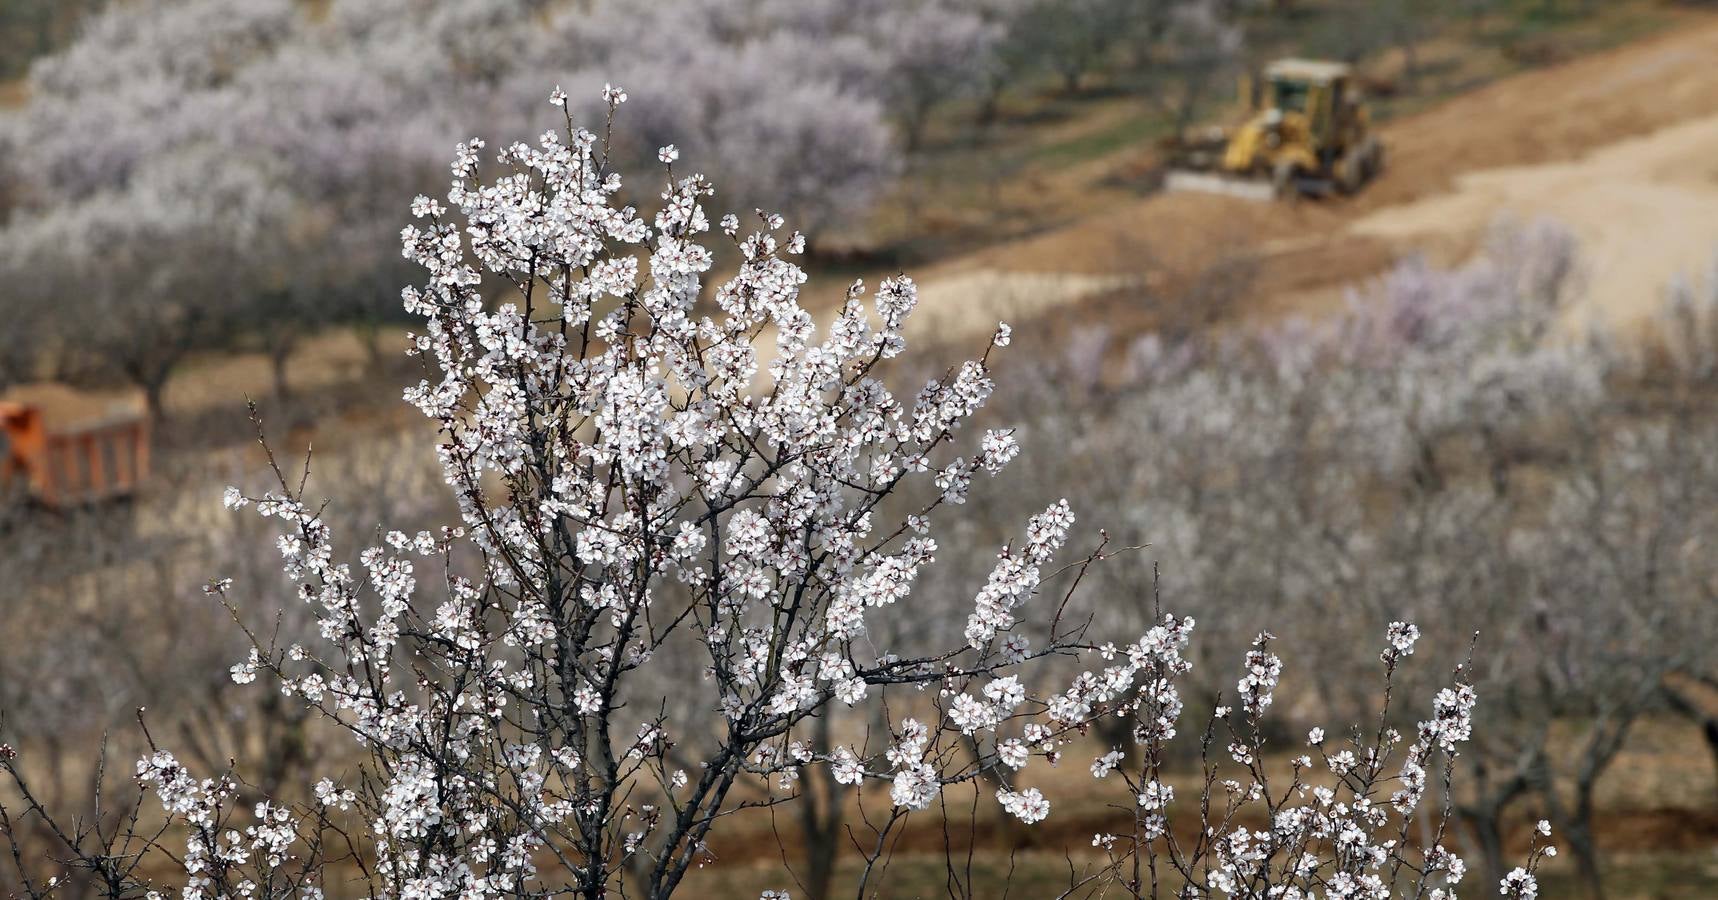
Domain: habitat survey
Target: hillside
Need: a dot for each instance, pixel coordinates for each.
(1618, 145)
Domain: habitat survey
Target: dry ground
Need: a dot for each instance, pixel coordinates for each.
(1659, 834)
(1621, 146)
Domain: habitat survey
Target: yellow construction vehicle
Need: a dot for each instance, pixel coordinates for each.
(1308, 133)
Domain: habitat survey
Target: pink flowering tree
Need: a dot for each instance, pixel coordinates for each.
(652, 470)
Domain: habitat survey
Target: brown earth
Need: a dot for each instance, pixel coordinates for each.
(1621, 146)
(1655, 803)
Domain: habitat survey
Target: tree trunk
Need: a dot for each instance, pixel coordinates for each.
(1574, 827)
(1709, 729)
(820, 864)
(1579, 837)
(913, 126)
(369, 333)
(288, 749)
(820, 818)
(150, 376)
(1484, 817)
(154, 389)
(1696, 698)
(990, 107)
(278, 357)
(1410, 62)
(1117, 733)
(1488, 834)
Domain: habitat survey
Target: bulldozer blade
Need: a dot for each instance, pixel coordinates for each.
(1209, 183)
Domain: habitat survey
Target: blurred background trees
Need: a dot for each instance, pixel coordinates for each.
(329, 112)
(181, 180)
(1443, 451)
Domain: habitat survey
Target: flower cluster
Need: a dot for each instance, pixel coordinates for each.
(690, 524)
(220, 859)
(647, 468)
(1323, 836)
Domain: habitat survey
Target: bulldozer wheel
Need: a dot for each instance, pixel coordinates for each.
(1351, 171)
(1373, 159)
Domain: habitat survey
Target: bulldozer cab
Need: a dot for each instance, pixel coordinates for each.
(1322, 92)
(1289, 95)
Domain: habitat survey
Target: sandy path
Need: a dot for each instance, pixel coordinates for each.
(968, 305)
(1644, 209)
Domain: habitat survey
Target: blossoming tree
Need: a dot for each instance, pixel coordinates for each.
(649, 464)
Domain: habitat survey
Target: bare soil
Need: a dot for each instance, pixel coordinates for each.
(1621, 146)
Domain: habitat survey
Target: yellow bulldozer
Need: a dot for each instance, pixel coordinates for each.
(1308, 134)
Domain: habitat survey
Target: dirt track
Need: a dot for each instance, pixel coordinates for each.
(1621, 146)
(1645, 209)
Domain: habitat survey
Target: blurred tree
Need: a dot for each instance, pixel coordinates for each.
(30, 29)
(1442, 452)
(781, 103)
(1189, 51)
(939, 50)
(1073, 37)
(137, 278)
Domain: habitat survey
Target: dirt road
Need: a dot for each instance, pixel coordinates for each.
(1621, 146)
(1644, 209)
